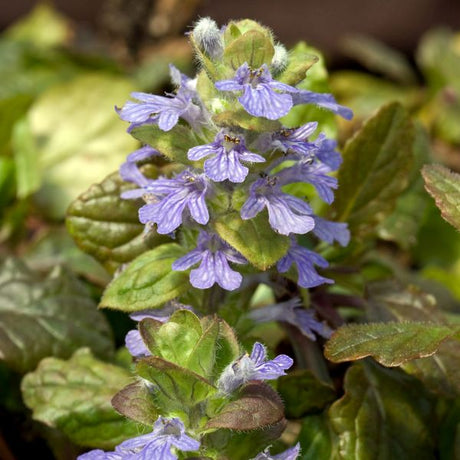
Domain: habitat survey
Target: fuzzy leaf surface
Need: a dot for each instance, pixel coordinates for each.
(391, 344)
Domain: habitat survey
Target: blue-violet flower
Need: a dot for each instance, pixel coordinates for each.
(286, 213)
(252, 367)
(227, 153)
(214, 255)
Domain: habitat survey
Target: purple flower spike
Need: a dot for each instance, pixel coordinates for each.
(286, 213)
(290, 454)
(292, 312)
(167, 200)
(259, 96)
(331, 231)
(324, 100)
(214, 255)
(129, 171)
(227, 153)
(163, 110)
(305, 260)
(253, 367)
(167, 434)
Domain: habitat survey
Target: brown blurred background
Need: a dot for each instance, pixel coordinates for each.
(324, 23)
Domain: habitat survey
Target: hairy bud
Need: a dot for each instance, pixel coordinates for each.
(208, 37)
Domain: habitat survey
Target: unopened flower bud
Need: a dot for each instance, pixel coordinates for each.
(208, 38)
(280, 59)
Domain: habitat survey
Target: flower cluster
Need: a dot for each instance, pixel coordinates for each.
(259, 165)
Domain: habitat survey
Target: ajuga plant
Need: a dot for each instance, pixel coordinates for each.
(217, 173)
(250, 281)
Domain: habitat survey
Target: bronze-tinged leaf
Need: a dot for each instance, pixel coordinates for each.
(257, 406)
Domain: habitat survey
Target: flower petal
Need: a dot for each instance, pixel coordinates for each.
(190, 259)
(226, 277)
(201, 151)
(135, 344)
(198, 209)
(204, 276)
(262, 101)
(252, 207)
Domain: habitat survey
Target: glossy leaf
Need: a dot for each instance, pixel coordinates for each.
(253, 238)
(384, 414)
(40, 318)
(303, 393)
(74, 396)
(375, 170)
(391, 344)
(317, 439)
(107, 227)
(444, 186)
(148, 281)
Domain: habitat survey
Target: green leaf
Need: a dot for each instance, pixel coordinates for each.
(300, 61)
(403, 225)
(176, 339)
(74, 396)
(317, 439)
(254, 47)
(439, 373)
(375, 170)
(257, 406)
(227, 347)
(303, 393)
(384, 414)
(148, 281)
(253, 238)
(40, 318)
(444, 186)
(28, 177)
(173, 144)
(75, 129)
(203, 355)
(108, 227)
(11, 110)
(177, 389)
(56, 247)
(391, 301)
(136, 402)
(391, 344)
